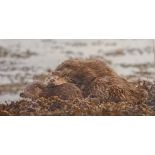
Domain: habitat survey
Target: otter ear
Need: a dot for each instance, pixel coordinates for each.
(38, 84)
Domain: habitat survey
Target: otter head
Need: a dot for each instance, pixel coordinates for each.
(32, 91)
(54, 80)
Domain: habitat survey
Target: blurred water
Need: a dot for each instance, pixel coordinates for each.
(9, 97)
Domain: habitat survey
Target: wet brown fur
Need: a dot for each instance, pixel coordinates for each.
(33, 91)
(65, 91)
(96, 79)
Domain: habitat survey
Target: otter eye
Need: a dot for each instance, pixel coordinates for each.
(22, 95)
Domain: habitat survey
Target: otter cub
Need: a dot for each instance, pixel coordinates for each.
(57, 86)
(54, 87)
(65, 91)
(33, 91)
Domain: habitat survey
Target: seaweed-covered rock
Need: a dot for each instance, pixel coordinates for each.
(78, 107)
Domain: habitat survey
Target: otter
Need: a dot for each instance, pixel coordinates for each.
(33, 91)
(96, 79)
(65, 91)
(54, 87)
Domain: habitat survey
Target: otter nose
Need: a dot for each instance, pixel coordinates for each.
(22, 95)
(52, 79)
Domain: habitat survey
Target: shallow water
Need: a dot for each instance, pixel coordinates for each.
(22, 59)
(8, 97)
